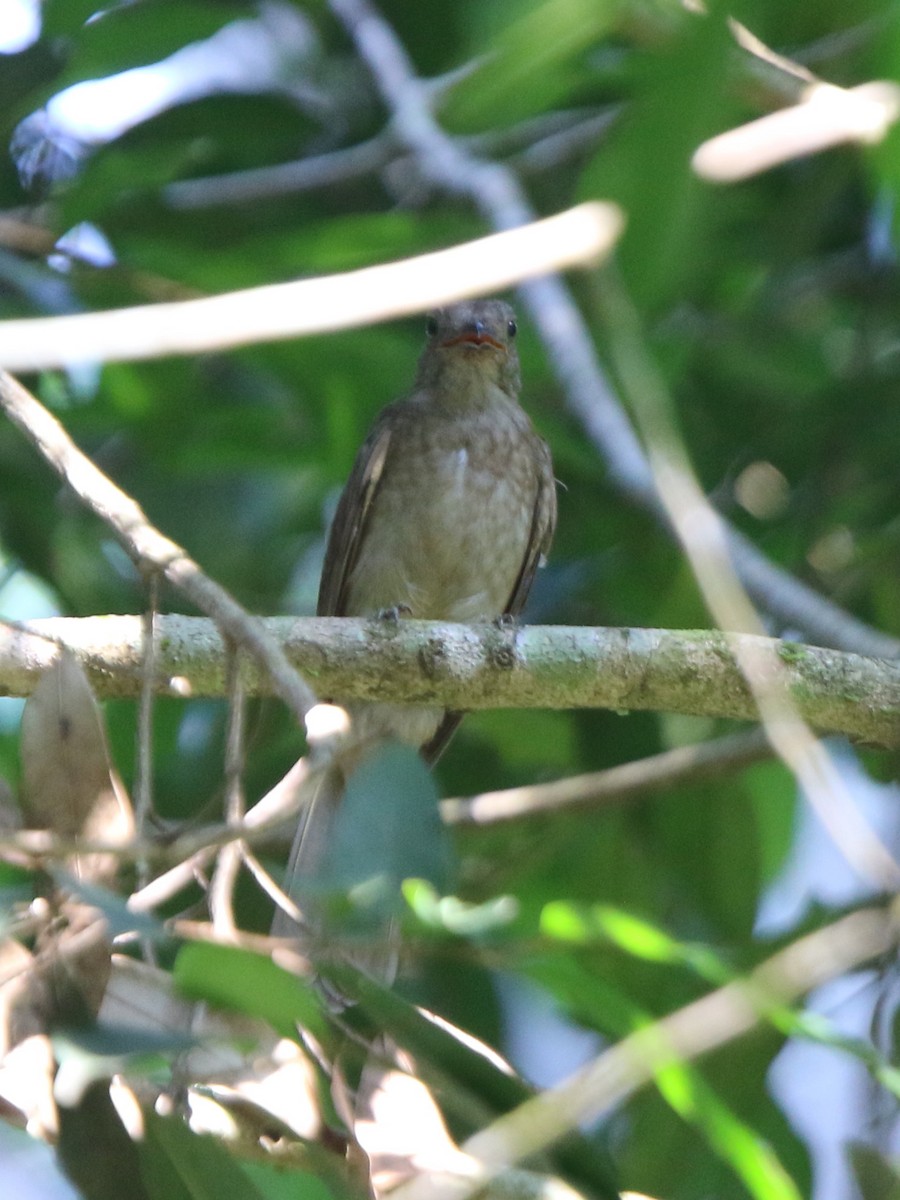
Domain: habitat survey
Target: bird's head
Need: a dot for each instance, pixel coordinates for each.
(469, 344)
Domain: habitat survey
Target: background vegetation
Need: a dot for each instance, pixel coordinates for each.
(771, 310)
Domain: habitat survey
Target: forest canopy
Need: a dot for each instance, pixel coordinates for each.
(638, 857)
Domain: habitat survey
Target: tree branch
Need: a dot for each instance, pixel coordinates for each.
(474, 667)
(148, 548)
(577, 237)
(616, 785)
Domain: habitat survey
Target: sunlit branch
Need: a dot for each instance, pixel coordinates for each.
(578, 237)
(474, 667)
(702, 535)
(699, 1027)
(826, 116)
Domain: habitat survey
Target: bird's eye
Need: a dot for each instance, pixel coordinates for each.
(511, 328)
(431, 326)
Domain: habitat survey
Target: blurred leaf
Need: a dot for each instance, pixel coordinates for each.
(68, 783)
(96, 1151)
(387, 829)
(132, 35)
(249, 983)
(753, 1161)
(176, 1164)
(774, 798)
(568, 922)
(680, 99)
(524, 70)
(876, 1176)
(455, 916)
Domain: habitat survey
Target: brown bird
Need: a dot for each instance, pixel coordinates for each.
(447, 514)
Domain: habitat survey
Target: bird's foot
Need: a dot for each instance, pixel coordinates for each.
(393, 614)
(505, 621)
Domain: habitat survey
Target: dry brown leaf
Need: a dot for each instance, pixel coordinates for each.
(62, 981)
(26, 1083)
(400, 1127)
(68, 783)
(24, 996)
(274, 1077)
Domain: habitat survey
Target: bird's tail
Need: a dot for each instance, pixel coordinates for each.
(311, 840)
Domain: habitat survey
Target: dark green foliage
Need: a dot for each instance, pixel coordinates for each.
(772, 310)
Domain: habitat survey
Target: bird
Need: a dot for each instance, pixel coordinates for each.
(449, 510)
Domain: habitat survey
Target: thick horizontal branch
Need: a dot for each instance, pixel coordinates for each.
(472, 667)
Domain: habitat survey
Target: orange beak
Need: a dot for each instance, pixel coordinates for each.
(473, 337)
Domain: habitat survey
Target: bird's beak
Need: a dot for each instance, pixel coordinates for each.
(474, 335)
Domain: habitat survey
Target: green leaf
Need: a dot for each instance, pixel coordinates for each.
(387, 829)
(177, 1164)
(876, 1176)
(133, 35)
(753, 1161)
(276, 1184)
(251, 983)
(524, 70)
(450, 914)
(680, 98)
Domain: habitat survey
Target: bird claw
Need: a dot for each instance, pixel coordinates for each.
(506, 621)
(393, 614)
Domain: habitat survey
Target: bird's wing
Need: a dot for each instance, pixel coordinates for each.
(350, 520)
(543, 523)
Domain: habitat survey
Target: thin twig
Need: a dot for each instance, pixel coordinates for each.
(290, 178)
(268, 818)
(150, 549)
(539, 144)
(161, 889)
(616, 785)
(276, 894)
(228, 865)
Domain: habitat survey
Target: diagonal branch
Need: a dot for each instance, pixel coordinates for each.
(666, 771)
(150, 550)
(699, 1027)
(577, 237)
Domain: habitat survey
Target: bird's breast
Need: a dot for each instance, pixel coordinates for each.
(450, 523)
